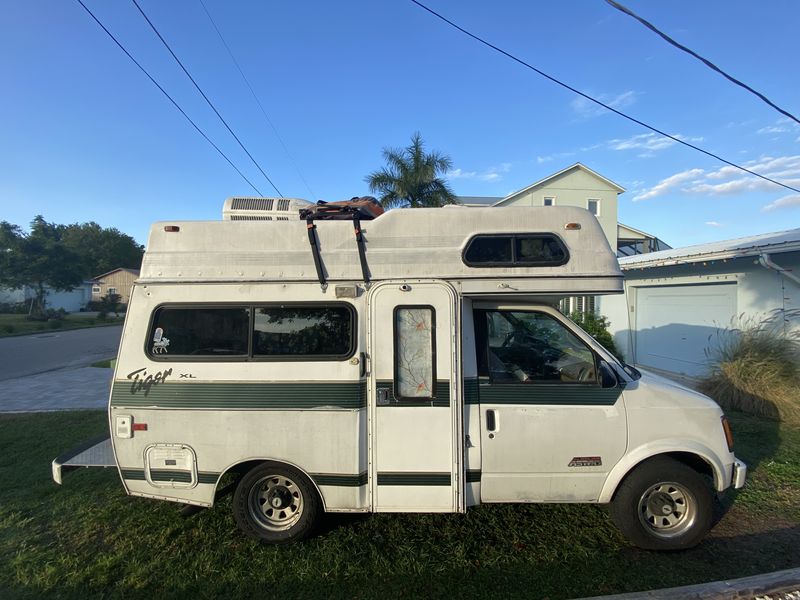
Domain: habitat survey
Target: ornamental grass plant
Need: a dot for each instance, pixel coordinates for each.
(755, 367)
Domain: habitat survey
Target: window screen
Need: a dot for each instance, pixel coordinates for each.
(515, 250)
(293, 331)
(414, 359)
(200, 331)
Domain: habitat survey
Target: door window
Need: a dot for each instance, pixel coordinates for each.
(530, 347)
(414, 355)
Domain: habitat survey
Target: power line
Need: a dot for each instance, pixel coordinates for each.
(163, 91)
(255, 97)
(211, 104)
(705, 61)
(598, 102)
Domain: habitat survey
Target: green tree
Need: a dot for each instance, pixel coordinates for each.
(411, 177)
(102, 249)
(38, 259)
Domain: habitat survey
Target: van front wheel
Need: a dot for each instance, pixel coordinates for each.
(663, 505)
(276, 504)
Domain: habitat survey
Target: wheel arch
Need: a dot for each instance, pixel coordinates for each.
(243, 466)
(692, 454)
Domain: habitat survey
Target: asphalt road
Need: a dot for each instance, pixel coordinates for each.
(48, 351)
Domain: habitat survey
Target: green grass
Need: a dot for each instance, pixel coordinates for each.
(86, 539)
(12, 324)
(109, 363)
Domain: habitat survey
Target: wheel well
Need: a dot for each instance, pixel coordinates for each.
(239, 469)
(693, 461)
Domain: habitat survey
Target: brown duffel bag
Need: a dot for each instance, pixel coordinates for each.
(365, 208)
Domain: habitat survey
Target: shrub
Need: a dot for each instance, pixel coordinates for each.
(597, 327)
(14, 308)
(755, 368)
(8, 328)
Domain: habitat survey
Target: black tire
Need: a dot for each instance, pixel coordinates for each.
(276, 504)
(663, 505)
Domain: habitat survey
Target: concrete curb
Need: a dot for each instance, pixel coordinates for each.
(769, 584)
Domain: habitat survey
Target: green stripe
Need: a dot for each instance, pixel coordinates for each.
(474, 476)
(340, 480)
(549, 394)
(471, 395)
(442, 397)
(414, 479)
(165, 475)
(231, 396)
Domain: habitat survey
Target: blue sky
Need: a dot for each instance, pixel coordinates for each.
(85, 136)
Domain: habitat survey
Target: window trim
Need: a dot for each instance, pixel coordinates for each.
(597, 214)
(96, 289)
(395, 341)
(248, 357)
(488, 377)
(514, 262)
(545, 198)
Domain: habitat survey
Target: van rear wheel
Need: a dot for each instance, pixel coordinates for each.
(276, 504)
(664, 505)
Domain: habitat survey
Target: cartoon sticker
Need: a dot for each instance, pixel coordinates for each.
(160, 342)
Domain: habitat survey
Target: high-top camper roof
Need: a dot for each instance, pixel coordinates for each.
(400, 244)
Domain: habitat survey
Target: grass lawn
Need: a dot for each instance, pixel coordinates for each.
(86, 539)
(12, 324)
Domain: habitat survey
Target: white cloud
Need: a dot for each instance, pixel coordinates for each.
(713, 224)
(587, 109)
(668, 184)
(785, 202)
(649, 143)
(782, 125)
(491, 174)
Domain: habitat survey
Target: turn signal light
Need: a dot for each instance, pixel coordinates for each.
(728, 433)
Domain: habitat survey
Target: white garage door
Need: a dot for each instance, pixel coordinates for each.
(675, 324)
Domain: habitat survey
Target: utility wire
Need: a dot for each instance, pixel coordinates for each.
(255, 97)
(163, 91)
(705, 61)
(211, 104)
(598, 102)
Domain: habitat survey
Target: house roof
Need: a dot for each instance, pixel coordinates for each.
(132, 271)
(781, 241)
(580, 166)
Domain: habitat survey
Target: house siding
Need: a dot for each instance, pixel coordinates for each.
(121, 279)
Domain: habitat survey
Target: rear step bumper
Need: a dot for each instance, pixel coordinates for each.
(96, 452)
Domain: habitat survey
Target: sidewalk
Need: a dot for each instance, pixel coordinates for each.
(64, 389)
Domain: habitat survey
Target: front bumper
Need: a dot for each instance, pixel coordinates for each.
(739, 474)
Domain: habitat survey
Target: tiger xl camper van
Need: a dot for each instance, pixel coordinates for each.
(414, 362)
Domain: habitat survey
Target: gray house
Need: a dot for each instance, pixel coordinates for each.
(678, 301)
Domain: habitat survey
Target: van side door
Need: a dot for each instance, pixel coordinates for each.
(549, 431)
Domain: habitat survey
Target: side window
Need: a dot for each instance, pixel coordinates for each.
(414, 354)
(515, 250)
(312, 332)
(199, 332)
(531, 347)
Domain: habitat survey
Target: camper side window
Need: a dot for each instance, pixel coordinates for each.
(414, 354)
(292, 331)
(530, 347)
(515, 250)
(199, 332)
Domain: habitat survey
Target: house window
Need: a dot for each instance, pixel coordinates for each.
(548, 201)
(593, 206)
(95, 289)
(112, 290)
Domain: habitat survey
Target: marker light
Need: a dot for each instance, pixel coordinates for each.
(171, 228)
(728, 433)
(572, 226)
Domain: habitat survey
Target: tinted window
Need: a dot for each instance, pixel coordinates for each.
(515, 250)
(282, 331)
(530, 347)
(201, 331)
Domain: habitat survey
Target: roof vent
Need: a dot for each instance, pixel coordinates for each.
(262, 209)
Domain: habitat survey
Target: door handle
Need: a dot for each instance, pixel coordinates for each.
(491, 421)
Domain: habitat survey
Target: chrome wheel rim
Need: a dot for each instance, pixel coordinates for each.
(275, 502)
(667, 509)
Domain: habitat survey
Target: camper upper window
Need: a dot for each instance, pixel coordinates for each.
(293, 331)
(515, 250)
(197, 332)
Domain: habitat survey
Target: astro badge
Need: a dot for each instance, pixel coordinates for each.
(160, 342)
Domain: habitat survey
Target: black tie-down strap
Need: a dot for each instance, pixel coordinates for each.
(362, 256)
(312, 239)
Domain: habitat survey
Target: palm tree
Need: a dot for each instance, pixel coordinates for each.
(411, 177)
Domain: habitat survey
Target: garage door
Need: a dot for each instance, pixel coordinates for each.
(675, 324)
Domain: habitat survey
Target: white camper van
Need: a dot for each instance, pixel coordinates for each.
(419, 365)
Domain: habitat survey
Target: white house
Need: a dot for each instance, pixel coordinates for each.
(678, 301)
(71, 301)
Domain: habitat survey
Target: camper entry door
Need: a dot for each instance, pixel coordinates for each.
(413, 398)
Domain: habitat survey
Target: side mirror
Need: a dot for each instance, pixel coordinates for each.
(608, 379)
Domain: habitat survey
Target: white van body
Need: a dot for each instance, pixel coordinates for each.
(455, 317)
